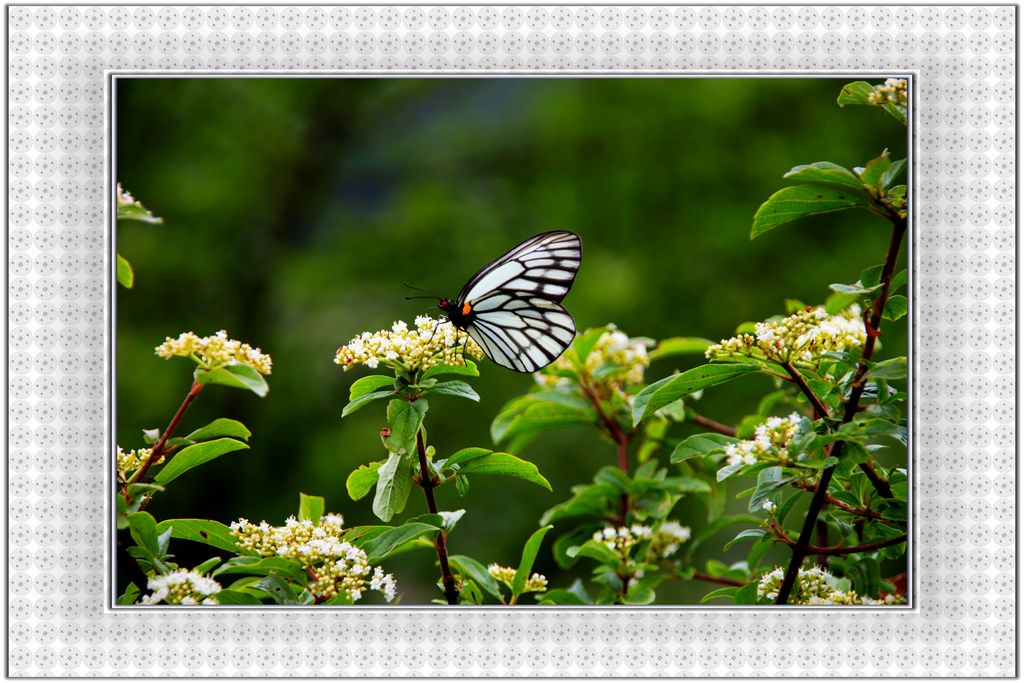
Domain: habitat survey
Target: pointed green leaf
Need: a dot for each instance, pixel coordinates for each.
(234, 375)
(125, 274)
(195, 455)
(797, 201)
(455, 388)
(824, 173)
(364, 400)
(468, 370)
(507, 464)
(205, 531)
(311, 508)
(361, 480)
(142, 527)
(679, 346)
(526, 562)
(671, 389)
(875, 171)
(383, 545)
(894, 368)
(855, 93)
(895, 307)
(369, 384)
(700, 445)
(222, 426)
(394, 478)
(404, 419)
(469, 567)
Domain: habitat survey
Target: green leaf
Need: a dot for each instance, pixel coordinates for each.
(824, 173)
(661, 393)
(455, 388)
(361, 480)
(204, 531)
(195, 455)
(851, 289)
(727, 592)
(136, 212)
(233, 597)
(530, 551)
(125, 274)
(205, 567)
(405, 419)
(130, 595)
(384, 544)
(222, 426)
(507, 464)
(450, 519)
(469, 567)
(311, 508)
(837, 302)
(264, 566)
(875, 170)
(898, 280)
(539, 417)
(234, 375)
(394, 478)
(587, 500)
(642, 592)
(700, 445)
(871, 277)
(278, 589)
(561, 596)
(467, 370)
(585, 343)
(895, 307)
(797, 201)
(364, 400)
(370, 384)
(142, 527)
(855, 93)
(893, 173)
(746, 533)
(769, 481)
(679, 346)
(466, 455)
(893, 368)
(716, 526)
(746, 594)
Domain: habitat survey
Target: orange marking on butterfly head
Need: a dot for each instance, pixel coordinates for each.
(466, 308)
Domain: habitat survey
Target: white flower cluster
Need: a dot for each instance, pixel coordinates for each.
(613, 349)
(669, 536)
(432, 342)
(181, 587)
(334, 565)
(816, 586)
(215, 351)
(128, 462)
(623, 538)
(537, 583)
(771, 442)
(799, 338)
(893, 91)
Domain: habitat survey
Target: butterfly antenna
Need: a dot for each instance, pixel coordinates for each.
(430, 294)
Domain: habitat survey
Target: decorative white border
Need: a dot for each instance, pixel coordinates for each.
(965, 620)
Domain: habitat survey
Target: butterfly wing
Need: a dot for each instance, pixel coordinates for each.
(520, 331)
(543, 266)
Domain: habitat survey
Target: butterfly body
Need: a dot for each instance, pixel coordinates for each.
(512, 306)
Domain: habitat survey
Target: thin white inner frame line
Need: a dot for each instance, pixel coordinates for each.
(111, 76)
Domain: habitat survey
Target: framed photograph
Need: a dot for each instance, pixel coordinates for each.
(512, 340)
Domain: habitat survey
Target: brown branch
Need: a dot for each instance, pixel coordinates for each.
(845, 507)
(158, 448)
(621, 439)
(428, 483)
(803, 544)
(708, 423)
(819, 408)
(846, 549)
(700, 576)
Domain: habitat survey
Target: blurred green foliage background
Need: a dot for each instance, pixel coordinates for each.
(295, 208)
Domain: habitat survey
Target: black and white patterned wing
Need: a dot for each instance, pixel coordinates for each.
(543, 266)
(520, 331)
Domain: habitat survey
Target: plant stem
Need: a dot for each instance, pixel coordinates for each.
(700, 576)
(819, 408)
(158, 448)
(802, 547)
(428, 483)
(708, 423)
(621, 439)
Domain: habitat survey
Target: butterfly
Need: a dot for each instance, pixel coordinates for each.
(512, 306)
